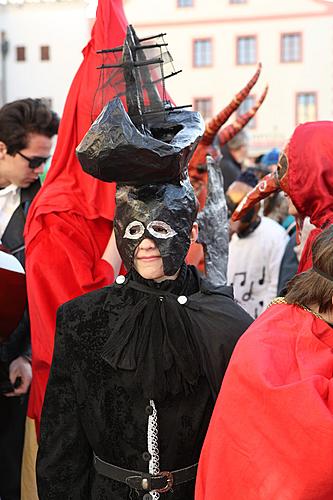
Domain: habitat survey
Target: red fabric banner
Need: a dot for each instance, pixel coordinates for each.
(70, 220)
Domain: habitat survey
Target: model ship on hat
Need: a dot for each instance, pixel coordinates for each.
(153, 141)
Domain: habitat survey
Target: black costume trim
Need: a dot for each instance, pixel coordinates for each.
(143, 481)
(170, 345)
(155, 338)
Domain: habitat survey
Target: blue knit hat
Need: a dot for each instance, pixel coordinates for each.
(270, 158)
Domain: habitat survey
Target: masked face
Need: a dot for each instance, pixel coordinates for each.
(162, 213)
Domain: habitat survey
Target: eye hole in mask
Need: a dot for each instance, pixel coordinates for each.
(160, 229)
(134, 230)
(282, 166)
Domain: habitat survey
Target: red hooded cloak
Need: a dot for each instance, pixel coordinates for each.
(308, 180)
(70, 220)
(271, 433)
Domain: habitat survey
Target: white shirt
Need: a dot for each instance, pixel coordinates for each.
(254, 264)
(10, 263)
(9, 201)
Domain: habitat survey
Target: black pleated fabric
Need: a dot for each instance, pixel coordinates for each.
(154, 337)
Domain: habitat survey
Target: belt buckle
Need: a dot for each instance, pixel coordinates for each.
(169, 477)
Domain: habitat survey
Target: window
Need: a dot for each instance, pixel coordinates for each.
(20, 53)
(246, 50)
(203, 55)
(45, 53)
(244, 107)
(204, 106)
(184, 3)
(306, 107)
(291, 47)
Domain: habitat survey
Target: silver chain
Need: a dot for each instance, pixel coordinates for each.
(154, 462)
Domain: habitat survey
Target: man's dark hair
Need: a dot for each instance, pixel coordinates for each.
(248, 177)
(311, 288)
(20, 118)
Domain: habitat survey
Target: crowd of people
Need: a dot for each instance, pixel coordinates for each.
(173, 336)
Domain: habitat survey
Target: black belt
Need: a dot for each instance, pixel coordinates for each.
(161, 482)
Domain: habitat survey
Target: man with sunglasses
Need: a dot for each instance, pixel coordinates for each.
(26, 130)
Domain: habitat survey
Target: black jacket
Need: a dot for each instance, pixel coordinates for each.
(93, 406)
(230, 168)
(289, 265)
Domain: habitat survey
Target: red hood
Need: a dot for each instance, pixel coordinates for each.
(310, 172)
(308, 180)
(67, 187)
(309, 177)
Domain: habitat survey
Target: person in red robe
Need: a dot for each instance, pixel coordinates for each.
(271, 433)
(304, 172)
(69, 248)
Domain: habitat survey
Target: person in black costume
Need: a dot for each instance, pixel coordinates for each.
(26, 130)
(137, 365)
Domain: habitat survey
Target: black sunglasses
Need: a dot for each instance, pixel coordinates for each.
(36, 161)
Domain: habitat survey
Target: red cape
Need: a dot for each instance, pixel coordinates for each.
(271, 433)
(70, 220)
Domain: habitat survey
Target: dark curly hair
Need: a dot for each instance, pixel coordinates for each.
(20, 118)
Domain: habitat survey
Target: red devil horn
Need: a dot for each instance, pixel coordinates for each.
(215, 124)
(268, 185)
(230, 131)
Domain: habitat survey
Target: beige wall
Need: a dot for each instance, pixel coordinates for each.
(223, 22)
(147, 12)
(63, 26)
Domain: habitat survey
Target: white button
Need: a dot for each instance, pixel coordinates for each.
(182, 299)
(120, 280)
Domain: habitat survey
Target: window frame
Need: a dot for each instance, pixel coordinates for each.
(18, 48)
(309, 92)
(42, 58)
(282, 52)
(203, 39)
(240, 37)
(203, 98)
(179, 6)
(252, 123)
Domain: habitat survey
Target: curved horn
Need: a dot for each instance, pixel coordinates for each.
(214, 125)
(268, 185)
(231, 130)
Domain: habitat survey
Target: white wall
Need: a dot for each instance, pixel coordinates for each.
(61, 25)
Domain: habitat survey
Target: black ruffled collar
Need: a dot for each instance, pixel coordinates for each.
(153, 335)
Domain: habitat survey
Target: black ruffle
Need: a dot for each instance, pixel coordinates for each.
(153, 335)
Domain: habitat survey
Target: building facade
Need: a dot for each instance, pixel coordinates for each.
(41, 48)
(217, 44)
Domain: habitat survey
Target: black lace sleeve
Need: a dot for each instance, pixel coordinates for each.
(64, 456)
